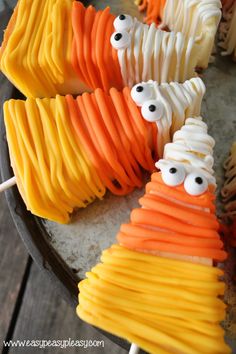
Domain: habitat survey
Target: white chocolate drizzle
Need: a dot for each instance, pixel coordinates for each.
(198, 19)
(192, 146)
(155, 54)
(178, 101)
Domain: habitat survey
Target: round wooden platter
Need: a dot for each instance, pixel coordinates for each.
(66, 252)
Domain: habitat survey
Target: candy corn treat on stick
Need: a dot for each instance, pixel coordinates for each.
(159, 287)
(227, 32)
(65, 152)
(198, 19)
(60, 47)
(228, 193)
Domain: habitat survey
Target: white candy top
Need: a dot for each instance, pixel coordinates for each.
(146, 53)
(168, 105)
(194, 18)
(193, 147)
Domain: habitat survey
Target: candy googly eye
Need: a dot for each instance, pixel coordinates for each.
(120, 40)
(195, 183)
(152, 110)
(141, 93)
(123, 22)
(173, 174)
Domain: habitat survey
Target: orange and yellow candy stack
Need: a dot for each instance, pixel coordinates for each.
(159, 287)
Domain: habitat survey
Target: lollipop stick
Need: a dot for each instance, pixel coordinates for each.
(134, 349)
(7, 184)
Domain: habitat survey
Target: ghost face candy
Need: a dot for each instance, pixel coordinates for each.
(177, 216)
(61, 47)
(66, 151)
(168, 105)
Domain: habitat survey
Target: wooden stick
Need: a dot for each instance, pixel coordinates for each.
(134, 349)
(7, 184)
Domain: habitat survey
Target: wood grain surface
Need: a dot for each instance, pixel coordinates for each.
(44, 315)
(13, 262)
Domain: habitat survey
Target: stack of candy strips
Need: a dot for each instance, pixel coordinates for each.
(53, 173)
(93, 59)
(227, 31)
(197, 19)
(73, 149)
(170, 105)
(171, 220)
(151, 288)
(60, 47)
(36, 52)
(228, 193)
(163, 305)
(147, 53)
(159, 288)
(65, 152)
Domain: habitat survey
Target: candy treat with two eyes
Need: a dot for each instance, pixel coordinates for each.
(60, 47)
(177, 216)
(193, 147)
(187, 166)
(194, 18)
(158, 288)
(67, 151)
(227, 31)
(168, 105)
(228, 193)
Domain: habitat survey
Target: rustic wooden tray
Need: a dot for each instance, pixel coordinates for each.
(66, 252)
